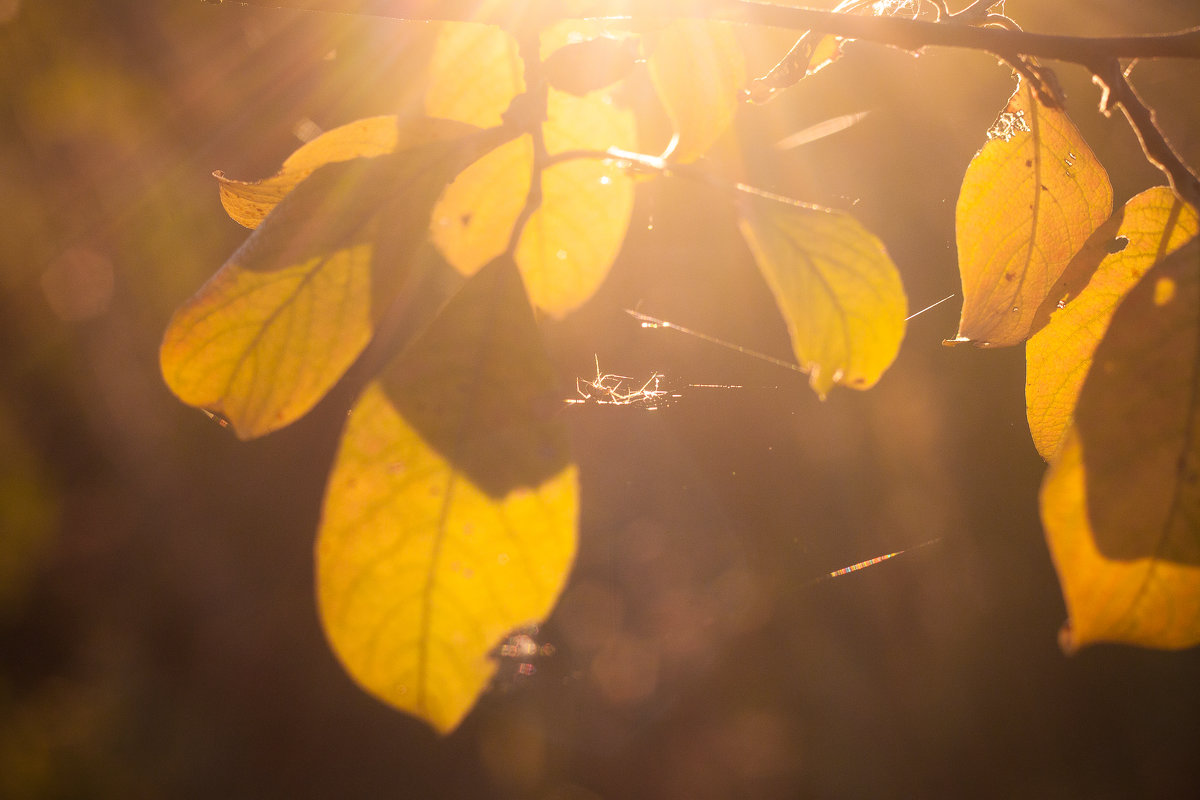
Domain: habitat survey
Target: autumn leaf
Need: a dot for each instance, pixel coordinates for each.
(281, 321)
(249, 202)
(698, 70)
(450, 514)
(474, 74)
(1030, 199)
(1151, 225)
(571, 240)
(838, 290)
(1121, 501)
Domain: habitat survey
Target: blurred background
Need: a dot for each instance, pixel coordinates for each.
(158, 632)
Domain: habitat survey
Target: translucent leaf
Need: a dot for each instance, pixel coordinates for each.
(1030, 199)
(450, 514)
(698, 70)
(474, 73)
(837, 288)
(249, 202)
(1121, 502)
(1151, 225)
(280, 322)
(572, 239)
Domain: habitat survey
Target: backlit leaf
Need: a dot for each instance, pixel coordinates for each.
(1030, 199)
(1121, 502)
(249, 202)
(474, 74)
(1152, 225)
(698, 69)
(280, 322)
(572, 239)
(837, 288)
(450, 514)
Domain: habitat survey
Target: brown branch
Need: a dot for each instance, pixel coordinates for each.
(903, 33)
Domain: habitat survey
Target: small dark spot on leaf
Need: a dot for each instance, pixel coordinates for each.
(1045, 188)
(465, 219)
(1029, 162)
(1008, 276)
(1117, 245)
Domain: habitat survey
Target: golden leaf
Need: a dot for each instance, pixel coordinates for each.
(1030, 199)
(1150, 226)
(698, 69)
(1121, 501)
(450, 514)
(837, 288)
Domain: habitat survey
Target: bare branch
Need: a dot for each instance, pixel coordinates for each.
(903, 33)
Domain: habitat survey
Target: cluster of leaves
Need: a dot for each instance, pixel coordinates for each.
(408, 258)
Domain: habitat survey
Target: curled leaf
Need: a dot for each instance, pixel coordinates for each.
(836, 287)
(1150, 226)
(1030, 199)
(1121, 500)
(449, 518)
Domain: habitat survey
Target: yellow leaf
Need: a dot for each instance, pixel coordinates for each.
(472, 221)
(572, 239)
(450, 514)
(1121, 502)
(1152, 225)
(698, 70)
(249, 202)
(837, 288)
(474, 74)
(1030, 199)
(281, 321)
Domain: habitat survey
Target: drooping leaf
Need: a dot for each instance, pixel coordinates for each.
(450, 514)
(281, 321)
(249, 202)
(1030, 199)
(838, 290)
(1121, 502)
(698, 70)
(1151, 226)
(811, 53)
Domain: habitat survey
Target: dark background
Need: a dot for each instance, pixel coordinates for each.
(158, 633)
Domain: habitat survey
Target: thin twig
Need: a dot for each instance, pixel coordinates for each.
(1159, 152)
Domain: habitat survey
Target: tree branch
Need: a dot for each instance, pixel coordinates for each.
(903, 33)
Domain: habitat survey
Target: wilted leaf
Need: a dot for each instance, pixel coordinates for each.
(450, 514)
(698, 69)
(1121, 502)
(837, 288)
(1030, 199)
(1152, 225)
(280, 322)
(249, 202)
(811, 53)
